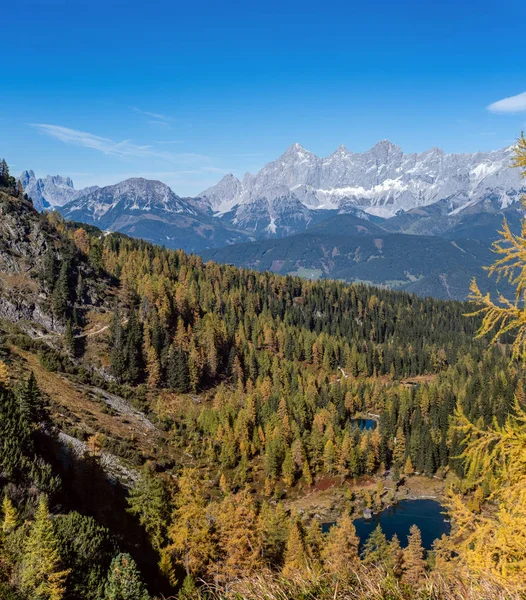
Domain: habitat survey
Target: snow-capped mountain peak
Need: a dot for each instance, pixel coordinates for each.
(131, 196)
(383, 180)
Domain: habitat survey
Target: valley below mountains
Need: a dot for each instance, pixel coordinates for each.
(419, 222)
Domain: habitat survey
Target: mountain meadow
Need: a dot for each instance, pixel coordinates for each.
(172, 427)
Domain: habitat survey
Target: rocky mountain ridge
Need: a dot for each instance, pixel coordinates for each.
(382, 181)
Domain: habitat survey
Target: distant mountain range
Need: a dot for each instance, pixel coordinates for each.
(381, 181)
(152, 211)
(422, 222)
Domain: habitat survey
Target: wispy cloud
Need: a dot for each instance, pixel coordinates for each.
(125, 148)
(513, 104)
(158, 123)
(154, 118)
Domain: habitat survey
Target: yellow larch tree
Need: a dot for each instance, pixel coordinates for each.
(414, 564)
(41, 575)
(505, 315)
(295, 552)
(340, 553)
(4, 375)
(493, 542)
(239, 541)
(190, 531)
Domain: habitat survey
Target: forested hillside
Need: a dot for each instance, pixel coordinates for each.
(174, 422)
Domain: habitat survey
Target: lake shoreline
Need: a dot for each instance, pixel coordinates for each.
(329, 498)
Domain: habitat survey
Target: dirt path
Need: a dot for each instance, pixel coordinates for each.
(43, 336)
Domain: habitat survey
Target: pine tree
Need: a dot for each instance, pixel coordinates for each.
(288, 468)
(16, 443)
(376, 549)
(61, 292)
(4, 173)
(133, 356)
(41, 574)
(124, 580)
(69, 339)
(177, 372)
(273, 524)
(149, 500)
(117, 343)
(414, 564)
(49, 273)
(32, 404)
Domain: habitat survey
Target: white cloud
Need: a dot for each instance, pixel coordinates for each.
(125, 148)
(513, 104)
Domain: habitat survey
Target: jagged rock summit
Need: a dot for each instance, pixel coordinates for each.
(381, 181)
(50, 192)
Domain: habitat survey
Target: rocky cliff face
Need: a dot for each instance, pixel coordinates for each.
(26, 236)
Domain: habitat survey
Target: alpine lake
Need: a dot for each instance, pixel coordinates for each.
(428, 515)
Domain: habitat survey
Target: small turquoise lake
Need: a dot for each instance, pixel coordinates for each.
(364, 424)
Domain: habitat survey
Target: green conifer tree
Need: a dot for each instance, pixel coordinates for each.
(41, 575)
(124, 580)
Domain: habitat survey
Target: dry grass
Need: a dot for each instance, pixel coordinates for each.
(369, 584)
(96, 351)
(73, 403)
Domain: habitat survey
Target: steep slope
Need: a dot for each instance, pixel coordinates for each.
(26, 239)
(152, 211)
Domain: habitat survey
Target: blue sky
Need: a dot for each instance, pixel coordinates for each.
(186, 92)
